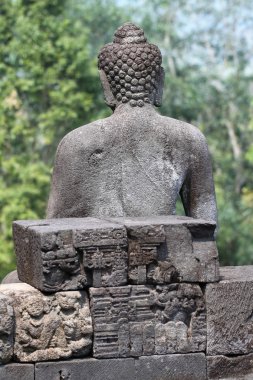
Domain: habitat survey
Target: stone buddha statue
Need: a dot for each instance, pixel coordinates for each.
(135, 162)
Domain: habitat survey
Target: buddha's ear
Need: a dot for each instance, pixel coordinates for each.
(108, 95)
(159, 88)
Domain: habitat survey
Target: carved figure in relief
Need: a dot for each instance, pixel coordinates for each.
(76, 321)
(61, 266)
(52, 327)
(135, 162)
(41, 329)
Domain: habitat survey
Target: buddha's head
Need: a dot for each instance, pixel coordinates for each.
(130, 69)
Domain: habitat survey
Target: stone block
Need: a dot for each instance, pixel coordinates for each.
(73, 253)
(11, 278)
(171, 367)
(230, 312)
(164, 367)
(230, 367)
(87, 369)
(131, 321)
(49, 327)
(17, 371)
(6, 329)
(167, 249)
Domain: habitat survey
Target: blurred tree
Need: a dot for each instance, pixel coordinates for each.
(48, 85)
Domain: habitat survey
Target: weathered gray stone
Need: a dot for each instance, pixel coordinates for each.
(6, 329)
(165, 367)
(145, 320)
(49, 327)
(11, 278)
(17, 371)
(87, 369)
(135, 162)
(230, 368)
(167, 249)
(230, 312)
(171, 367)
(237, 274)
(63, 254)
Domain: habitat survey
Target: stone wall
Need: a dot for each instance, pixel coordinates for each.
(124, 299)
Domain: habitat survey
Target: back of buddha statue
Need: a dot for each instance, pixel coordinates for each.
(135, 162)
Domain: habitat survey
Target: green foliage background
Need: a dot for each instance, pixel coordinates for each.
(49, 85)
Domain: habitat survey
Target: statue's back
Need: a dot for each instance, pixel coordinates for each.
(136, 162)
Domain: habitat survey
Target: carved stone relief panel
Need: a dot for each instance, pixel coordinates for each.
(76, 253)
(104, 255)
(49, 327)
(146, 320)
(106, 265)
(46, 258)
(169, 249)
(70, 254)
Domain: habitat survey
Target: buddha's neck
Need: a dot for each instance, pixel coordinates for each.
(126, 108)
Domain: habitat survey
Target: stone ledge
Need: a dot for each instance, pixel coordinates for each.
(17, 371)
(87, 369)
(229, 306)
(157, 367)
(76, 253)
(236, 273)
(172, 367)
(230, 368)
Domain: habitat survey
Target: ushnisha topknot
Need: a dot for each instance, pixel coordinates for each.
(129, 33)
(132, 66)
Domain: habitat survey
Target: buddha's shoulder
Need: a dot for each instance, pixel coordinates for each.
(84, 136)
(184, 131)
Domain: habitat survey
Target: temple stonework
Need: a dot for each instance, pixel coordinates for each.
(113, 284)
